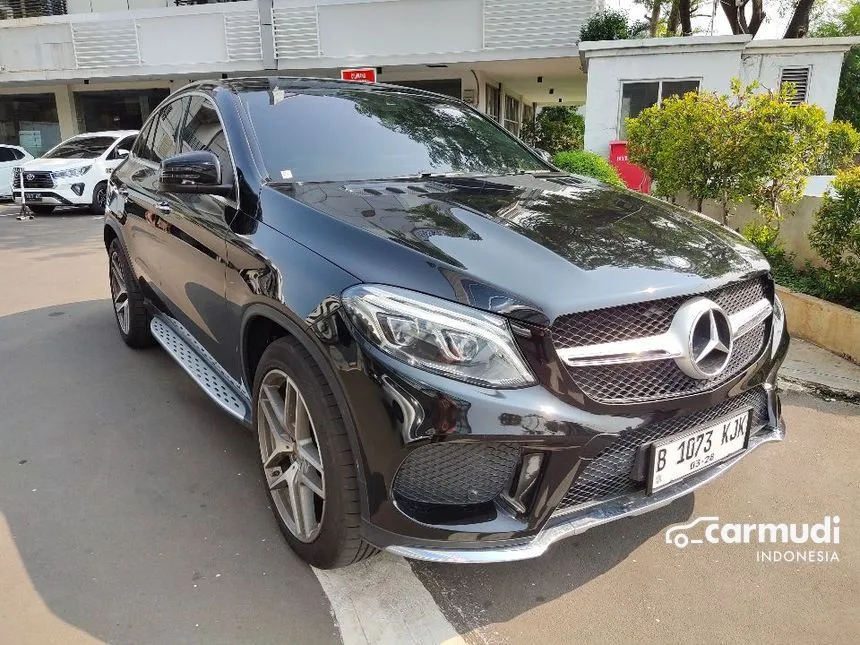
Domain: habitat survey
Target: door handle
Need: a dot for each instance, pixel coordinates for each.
(163, 207)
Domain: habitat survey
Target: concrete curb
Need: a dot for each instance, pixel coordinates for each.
(823, 323)
(818, 390)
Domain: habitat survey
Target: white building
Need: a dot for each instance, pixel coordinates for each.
(105, 64)
(627, 76)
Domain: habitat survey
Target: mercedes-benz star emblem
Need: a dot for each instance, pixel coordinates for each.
(30, 176)
(705, 336)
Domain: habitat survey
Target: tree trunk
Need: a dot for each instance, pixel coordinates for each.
(799, 24)
(672, 24)
(654, 20)
(758, 16)
(732, 13)
(699, 203)
(686, 18)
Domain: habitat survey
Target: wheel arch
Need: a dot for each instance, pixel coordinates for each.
(260, 317)
(111, 233)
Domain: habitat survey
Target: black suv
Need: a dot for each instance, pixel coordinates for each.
(448, 348)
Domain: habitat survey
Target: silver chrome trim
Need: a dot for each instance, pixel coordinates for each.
(659, 347)
(581, 521)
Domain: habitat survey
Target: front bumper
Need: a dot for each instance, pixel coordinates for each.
(399, 412)
(568, 525)
(57, 196)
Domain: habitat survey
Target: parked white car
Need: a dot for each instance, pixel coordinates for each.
(74, 173)
(10, 156)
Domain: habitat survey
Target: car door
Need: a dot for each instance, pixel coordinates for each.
(136, 183)
(194, 229)
(8, 160)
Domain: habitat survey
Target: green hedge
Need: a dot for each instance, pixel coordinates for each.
(583, 162)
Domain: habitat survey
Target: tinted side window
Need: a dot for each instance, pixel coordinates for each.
(17, 154)
(124, 144)
(202, 131)
(7, 154)
(161, 138)
(139, 149)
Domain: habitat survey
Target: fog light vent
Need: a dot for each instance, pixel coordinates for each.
(78, 189)
(457, 473)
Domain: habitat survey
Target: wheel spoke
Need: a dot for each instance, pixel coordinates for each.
(310, 453)
(313, 480)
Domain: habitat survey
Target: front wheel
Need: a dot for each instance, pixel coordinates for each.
(307, 462)
(99, 198)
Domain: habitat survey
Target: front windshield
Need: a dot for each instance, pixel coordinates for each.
(80, 148)
(350, 135)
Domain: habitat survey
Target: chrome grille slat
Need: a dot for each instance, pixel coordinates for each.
(41, 179)
(608, 474)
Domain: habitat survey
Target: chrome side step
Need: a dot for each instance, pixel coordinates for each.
(202, 367)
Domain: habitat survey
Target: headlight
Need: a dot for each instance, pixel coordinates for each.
(438, 335)
(71, 172)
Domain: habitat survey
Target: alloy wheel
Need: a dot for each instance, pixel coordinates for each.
(291, 457)
(119, 292)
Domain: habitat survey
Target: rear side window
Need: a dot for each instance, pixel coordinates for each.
(161, 138)
(7, 154)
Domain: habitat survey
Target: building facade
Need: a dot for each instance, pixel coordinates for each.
(70, 66)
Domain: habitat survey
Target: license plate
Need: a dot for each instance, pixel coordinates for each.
(676, 457)
(34, 197)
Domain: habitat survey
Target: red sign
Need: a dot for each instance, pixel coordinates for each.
(632, 175)
(364, 74)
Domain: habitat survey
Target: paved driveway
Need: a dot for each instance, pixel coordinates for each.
(131, 512)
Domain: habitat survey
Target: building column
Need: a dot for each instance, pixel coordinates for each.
(66, 112)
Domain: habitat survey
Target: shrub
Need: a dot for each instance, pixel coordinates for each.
(556, 128)
(583, 162)
(843, 145)
(836, 234)
(756, 145)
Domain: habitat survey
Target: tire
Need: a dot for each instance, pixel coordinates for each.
(99, 198)
(336, 541)
(134, 329)
(41, 209)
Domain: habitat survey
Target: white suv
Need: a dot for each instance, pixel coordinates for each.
(74, 173)
(10, 156)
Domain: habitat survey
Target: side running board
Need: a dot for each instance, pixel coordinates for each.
(202, 367)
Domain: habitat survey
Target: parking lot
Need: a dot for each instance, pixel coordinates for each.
(131, 511)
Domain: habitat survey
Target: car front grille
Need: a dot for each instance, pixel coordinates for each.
(38, 179)
(608, 475)
(641, 382)
(456, 473)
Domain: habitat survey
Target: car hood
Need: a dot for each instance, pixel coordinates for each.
(529, 248)
(56, 164)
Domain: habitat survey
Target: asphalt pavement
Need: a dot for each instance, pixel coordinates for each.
(131, 511)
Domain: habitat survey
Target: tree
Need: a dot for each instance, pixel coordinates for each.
(798, 26)
(845, 22)
(690, 143)
(556, 128)
(749, 144)
(611, 25)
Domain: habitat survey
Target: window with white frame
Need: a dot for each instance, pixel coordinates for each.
(639, 95)
(494, 102)
(512, 114)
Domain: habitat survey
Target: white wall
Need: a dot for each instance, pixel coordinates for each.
(606, 75)
(823, 76)
(712, 60)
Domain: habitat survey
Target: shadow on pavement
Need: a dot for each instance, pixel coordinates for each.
(134, 501)
(472, 597)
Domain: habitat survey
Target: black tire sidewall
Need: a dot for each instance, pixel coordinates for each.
(95, 207)
(138, 335)
(332, 547)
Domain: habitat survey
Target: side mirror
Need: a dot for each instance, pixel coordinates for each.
(193, 172)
